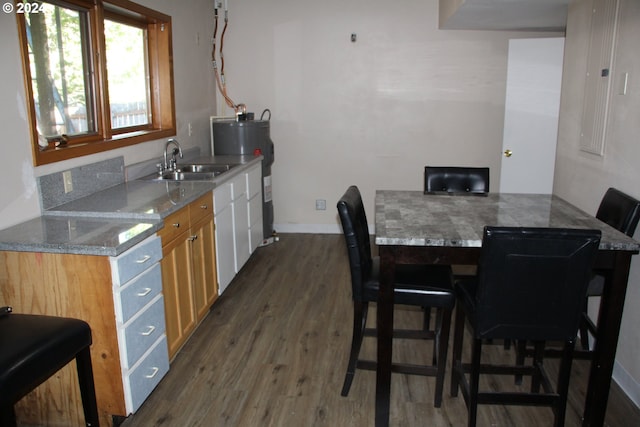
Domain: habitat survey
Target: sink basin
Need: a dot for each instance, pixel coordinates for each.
(205, 168)
(192, 172)
(188, 176)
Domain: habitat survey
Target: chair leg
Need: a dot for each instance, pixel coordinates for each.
(7, 417)
(426, 323)
(536, 377)
(458, 334)
(521, 349)
(584, 329)
(87, 387)
(564, 375)
(436, 341)
(474, 382)
(442, 342)
(360, 310)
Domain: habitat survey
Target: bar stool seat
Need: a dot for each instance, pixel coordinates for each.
(32, 349)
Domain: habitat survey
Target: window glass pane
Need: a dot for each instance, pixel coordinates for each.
(60, 70)
(127, 75)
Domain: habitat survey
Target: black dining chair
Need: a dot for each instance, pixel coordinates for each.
(456, 180)
(32, 349)
(424, 286)
(530, 286)
(621, 212)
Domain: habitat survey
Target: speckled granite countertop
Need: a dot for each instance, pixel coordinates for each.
(111, 221)
(411, 218)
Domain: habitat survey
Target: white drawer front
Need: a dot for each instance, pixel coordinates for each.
(221, 198)
(140, 382)
(254, 181)
(134, 261)
(142, 332)
(137, 293)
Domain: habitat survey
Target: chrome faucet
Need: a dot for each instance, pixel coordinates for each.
(171, 164)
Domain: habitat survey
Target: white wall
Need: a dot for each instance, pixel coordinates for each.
(582, 178)
(371, 113)
(194, 101)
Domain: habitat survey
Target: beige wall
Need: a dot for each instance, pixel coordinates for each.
(371, 113)
(195, 102)
(582, 178)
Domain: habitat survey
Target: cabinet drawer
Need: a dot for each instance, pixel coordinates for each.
(174, 225)
(135, 260)
(238, 186)
(137, 293)
(140, 382)
(200, 208)
(221, 198)
(142, 332)
(254, 182)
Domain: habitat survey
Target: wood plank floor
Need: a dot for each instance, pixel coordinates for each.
(273, 352)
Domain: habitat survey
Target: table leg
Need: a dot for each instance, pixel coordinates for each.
(384, 322)
(609, 319)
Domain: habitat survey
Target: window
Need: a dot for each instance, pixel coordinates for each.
(98, 76)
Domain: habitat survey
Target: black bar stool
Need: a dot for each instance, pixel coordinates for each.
(32, 349)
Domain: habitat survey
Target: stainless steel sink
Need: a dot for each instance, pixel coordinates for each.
(205, 168)
(192, 172)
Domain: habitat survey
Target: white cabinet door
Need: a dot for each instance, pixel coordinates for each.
(225, 251)
(241, 228)
(255, 222)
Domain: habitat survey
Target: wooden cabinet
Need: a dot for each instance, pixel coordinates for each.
(188, 269)
(238, 219)
(121, 299)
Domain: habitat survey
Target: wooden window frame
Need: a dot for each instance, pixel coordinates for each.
(160, 61)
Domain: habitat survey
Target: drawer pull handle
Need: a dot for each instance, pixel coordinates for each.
(144, 259)
(144, 293)
(149, 331)
(192, 238)
(176, 225)
(153, 374)
(205, 207)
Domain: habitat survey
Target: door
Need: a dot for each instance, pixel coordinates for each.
(534, 76)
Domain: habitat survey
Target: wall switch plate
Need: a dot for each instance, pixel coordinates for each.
(190, 129)
(68, 181)
(321, 205)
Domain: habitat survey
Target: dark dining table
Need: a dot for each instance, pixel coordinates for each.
(417, 228)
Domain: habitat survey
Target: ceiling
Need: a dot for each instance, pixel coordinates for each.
(523, 15)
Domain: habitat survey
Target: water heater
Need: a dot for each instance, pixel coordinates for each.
(248, 137)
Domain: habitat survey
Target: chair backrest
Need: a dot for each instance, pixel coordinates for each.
(620, 211)
(454, 179)
(356, 234)
(532, 282)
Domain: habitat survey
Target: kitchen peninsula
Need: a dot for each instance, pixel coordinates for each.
(137, 261)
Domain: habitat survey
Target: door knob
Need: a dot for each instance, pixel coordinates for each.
(508, 153)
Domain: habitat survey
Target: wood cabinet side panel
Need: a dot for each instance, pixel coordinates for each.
(76, 286)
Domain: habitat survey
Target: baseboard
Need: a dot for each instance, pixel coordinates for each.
(627, 383)
(308, 228)
(312, 228)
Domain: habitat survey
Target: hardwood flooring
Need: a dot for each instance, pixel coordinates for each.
(273, 352)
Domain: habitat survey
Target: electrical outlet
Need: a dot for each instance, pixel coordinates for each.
(321, 205)
(68, 181)
(190, 129)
